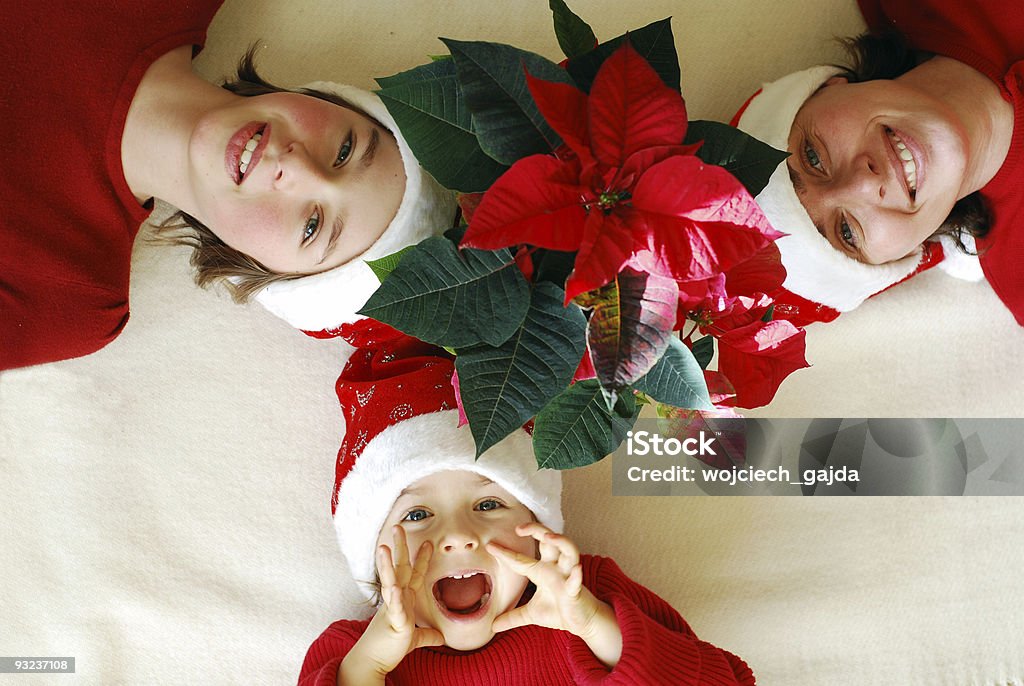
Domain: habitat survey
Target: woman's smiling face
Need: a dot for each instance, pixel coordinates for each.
(877, 165)
(298, 183)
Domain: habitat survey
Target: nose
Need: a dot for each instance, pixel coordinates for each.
(296, 167)
(459, 537)
(868, 181)
(863, 181)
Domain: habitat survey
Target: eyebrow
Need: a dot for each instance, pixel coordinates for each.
(335, 232)
(371, 149)
(801, 190)
(413, 490)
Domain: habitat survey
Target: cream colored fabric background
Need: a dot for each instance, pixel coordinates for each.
(165, 502)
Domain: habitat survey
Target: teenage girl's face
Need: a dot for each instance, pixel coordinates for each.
(298, 183)
(459, 512)
(877, 165)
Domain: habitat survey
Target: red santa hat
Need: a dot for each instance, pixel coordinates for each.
(331, 298)
(401, 425)
(815, 271)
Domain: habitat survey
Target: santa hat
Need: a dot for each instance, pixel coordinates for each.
(816, 271)
(331, 298)
(401, 425)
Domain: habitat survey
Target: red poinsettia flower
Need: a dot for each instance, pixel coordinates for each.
(622, 185)
(755, 355)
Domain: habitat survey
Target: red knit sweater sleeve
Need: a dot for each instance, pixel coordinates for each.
(658, 646)
(320, 668)
(988, 35)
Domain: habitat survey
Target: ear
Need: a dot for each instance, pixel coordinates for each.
(835, 80)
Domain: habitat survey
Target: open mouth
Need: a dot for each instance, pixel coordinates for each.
(464, 595)
(245, 149)
(907, 164)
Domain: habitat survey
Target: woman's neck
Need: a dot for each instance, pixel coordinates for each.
(976, 100)
(169, 101)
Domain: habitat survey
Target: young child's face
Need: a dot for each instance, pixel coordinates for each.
(459, 512)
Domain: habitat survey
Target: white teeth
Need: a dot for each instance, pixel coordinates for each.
(907, 158)
(250, 145)
(464, 576)
(484, 598)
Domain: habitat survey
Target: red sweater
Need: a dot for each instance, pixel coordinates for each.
(67, 217)
(987, 35)
(658, 647)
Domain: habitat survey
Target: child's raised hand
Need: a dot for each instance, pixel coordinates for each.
(392, 633)
(561, 601)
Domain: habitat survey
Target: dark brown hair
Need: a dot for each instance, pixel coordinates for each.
(212, 259)
(886, 55)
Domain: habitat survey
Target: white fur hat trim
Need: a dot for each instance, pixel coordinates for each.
(814, 269)
(957, 263)
(418, 447)
(331, 298)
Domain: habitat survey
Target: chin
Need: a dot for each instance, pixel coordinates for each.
(468, 638)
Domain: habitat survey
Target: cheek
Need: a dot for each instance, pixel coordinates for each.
(305, 115)
(255, 228)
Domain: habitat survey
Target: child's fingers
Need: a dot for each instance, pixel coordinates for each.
(419, 569)
(517, 562)
(574, 583)
(517, 616)
(385, 568)
(427, 637)
(543, 574)
(568, 553)
(533, 529)
(552, 546)
(403, 570)
(395, 608)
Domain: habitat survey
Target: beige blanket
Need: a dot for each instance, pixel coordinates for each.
(165, 502)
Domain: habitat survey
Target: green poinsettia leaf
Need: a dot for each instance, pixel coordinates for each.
(704, 350)
(456, 233)
(575, 37)
(429, 107)
(552, 265)
(503, 387)
(505, 118)
(385, 265)
(576, 428)
(454, 298)
(655, 44)
(748, 159)
(630, 326)
(677, 379)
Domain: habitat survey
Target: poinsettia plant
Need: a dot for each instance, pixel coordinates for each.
(609, 245)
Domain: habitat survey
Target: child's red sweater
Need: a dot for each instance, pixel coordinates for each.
(658, 647)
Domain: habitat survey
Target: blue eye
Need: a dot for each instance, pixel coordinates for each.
(846, 233)
(812, 156)
(415, 515)
(343, 152)
(311, 227)
(489, 504)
